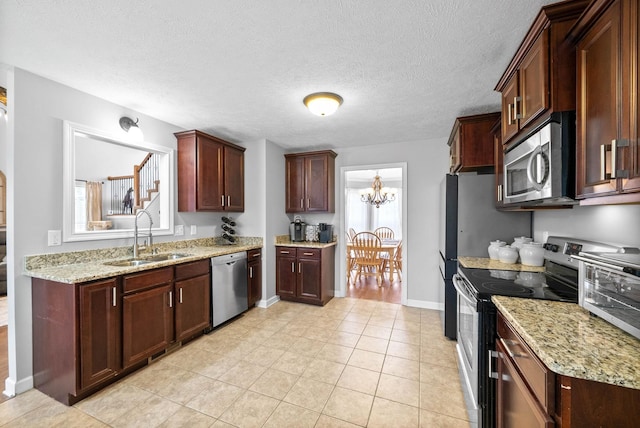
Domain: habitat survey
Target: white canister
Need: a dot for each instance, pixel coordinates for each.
(494, 247)
(532, 254)
(519, 241)
(508, 254)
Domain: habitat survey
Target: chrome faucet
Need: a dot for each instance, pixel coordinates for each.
(136, 234)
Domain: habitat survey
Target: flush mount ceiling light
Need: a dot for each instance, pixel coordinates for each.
(322, 103)
(132, 128)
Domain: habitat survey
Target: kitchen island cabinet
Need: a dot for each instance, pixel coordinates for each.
(310, 182)
(608, 113)
(540, 78)
(305, 274)
(210, 173)
(558, 366)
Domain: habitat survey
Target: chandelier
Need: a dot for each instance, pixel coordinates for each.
(377, 194)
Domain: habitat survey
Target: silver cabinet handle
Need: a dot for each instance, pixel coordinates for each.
(499, 192)
(284, 252)
(509, 119)
(180, 297)
(516, 115)
(113, 297)
(308, 254)
(299, 267)
(228, 201)
(222, 200)
(308, 203)
(293, 267)
(250, 271)
(492, 373)
(302, 203)
(512, 354)
(614, 149)
(171, 299)
(603, 162)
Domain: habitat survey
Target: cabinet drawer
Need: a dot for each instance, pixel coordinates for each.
(254, 255)
(142, 280)
(287, 251)
(190, 270)
(309, 253)
(539, 379)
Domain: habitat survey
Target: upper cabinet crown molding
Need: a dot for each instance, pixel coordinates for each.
(310, 181)
(540, 79)
(210, 173)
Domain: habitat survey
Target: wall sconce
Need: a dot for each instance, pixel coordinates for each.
(322, 103)
(135, 133)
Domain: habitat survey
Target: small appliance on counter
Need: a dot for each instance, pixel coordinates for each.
(297, 230)
(229, 231)
(325, 232)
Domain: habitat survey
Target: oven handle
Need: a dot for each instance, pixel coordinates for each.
(460, 289)
(598, 263)
(512, 354)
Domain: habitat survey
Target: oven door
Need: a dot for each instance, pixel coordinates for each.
(468, 345)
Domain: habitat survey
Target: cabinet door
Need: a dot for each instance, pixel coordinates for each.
(509, 120)
(193, 306)
(534, 81)
(631, 155)
(598, 106)
(210, 184)
(147, 323)
(316, 183)
(295, 198)
(308, 276)
(100, 314)
(286, 272)
(254, 276)
(516, 406)
(234, 179)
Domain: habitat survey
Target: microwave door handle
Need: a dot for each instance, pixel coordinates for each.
(536, 181)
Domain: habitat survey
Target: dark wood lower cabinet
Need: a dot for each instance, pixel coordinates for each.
(254, 276)
(531, 395)
(305, 275)
(87, 335)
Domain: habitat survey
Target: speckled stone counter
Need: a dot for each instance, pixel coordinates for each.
(487, 263)
(571, 342)
(285, 241)
(83, 266)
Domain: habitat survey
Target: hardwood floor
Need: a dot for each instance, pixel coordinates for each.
(367, 288)
(4, 363)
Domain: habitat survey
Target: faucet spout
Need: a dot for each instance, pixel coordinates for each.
(136, 233)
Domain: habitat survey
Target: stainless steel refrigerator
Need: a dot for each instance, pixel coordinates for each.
(469, 221)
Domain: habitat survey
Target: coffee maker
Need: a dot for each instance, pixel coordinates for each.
(325, 232)
(297, 230)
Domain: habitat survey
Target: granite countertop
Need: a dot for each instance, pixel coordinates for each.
(285, 241)
(571, 342)
(487, 263)
(83, 266)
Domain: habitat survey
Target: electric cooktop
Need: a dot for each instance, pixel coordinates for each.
(531, 285)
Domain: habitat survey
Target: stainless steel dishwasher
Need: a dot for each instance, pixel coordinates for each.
(228, 287)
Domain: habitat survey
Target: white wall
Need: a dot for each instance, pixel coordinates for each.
(427, 162)
(615, 224)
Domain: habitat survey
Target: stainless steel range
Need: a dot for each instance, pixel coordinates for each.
(476, 314)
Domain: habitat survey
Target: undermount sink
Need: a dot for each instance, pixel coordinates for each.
(146, 260)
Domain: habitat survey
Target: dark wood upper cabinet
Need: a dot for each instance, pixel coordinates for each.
(608, 156)
(210, 173)
(310, 181)
(540, 79)
(471, 143)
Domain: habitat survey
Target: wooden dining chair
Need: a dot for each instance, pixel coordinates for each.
(367, 249)
(352, 232)
(384, 232)
(397, 261)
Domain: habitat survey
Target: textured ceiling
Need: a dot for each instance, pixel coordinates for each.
(240, 69)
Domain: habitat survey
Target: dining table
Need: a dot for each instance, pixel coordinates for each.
(388, 246)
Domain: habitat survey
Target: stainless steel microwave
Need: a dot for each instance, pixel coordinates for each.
(540, 169)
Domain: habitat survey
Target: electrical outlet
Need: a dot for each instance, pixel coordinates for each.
(194, 229)
(179, 230)
(54, 237)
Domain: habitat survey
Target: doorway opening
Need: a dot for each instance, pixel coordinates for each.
(363, 212)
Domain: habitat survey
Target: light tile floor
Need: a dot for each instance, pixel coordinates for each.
(350, 363)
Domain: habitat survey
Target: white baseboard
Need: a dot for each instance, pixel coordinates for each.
(266, 303)
(11, 387)
(436, 306)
